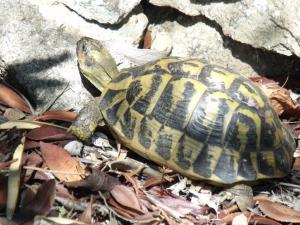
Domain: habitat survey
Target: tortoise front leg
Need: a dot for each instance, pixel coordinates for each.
(89, 118)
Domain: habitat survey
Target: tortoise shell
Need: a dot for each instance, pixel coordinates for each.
(198, 119)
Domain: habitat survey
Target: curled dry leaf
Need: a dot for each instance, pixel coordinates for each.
(12, 99)
(279, 212)
(64, 166)
(48, 133)
(279, 97)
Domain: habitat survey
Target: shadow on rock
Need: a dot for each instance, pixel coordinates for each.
(29, 79)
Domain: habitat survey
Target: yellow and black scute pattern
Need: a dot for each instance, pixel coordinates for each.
(198, 119)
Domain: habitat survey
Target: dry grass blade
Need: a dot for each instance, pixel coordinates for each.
(14, 180)
(25, 124)
(19, 125)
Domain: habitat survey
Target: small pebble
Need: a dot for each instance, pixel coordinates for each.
(74, 148)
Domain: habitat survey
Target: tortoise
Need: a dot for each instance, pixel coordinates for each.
(199, 119)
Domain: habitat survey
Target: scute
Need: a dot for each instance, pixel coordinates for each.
(198, 119)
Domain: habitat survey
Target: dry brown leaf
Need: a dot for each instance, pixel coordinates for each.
(279, 97)
(132, 215)
(57, 115)
(126, 197)
(279, 212)
(42, 201)
(12, 99)
(95, 180)
(153, 181)
(64, 166)
(47, 133)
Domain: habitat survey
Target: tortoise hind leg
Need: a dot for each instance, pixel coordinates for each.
(89, 118)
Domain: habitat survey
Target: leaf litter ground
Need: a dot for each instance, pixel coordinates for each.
(49, 177)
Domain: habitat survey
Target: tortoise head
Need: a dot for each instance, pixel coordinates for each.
(95, 62)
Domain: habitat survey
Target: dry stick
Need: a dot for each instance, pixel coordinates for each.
(52, 171)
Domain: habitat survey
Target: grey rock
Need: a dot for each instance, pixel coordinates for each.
(194, 38)
(202, 38)
(102, 11)
(38, 41)
(267, 24)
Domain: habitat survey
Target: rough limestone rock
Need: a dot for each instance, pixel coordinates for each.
(194, 38)
(102, 11)
(267, 24)
(38, 41)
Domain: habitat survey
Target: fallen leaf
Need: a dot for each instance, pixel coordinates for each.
(126, 197)
(47, 133)
(131, 214)
(279, 212)
(95, 180)
(13, 114)
(12, 99)
(174, 205)
(14, 180)
(64, 166)
(41, 202)
(153, 181)
(279, 97)
(57, 115)
(29, 144)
